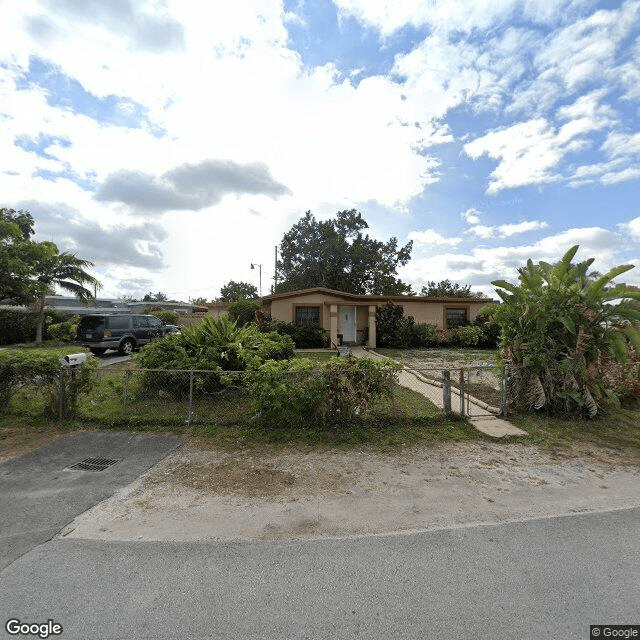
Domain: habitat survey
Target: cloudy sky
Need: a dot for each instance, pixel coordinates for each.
(174, 142)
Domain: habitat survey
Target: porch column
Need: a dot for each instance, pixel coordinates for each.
(372, 326)
(333, 324)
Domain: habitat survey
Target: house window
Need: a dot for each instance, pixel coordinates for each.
(308, 315)
(456, 318)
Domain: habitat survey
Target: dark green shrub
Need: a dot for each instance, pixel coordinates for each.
(63, 331)
(19, 325)
(393, 329)
(303, 393)
(304, 336)
(165, 315)
(213, 345)
(243, 311)
(469, 336)
(425, 335)
(490, 332)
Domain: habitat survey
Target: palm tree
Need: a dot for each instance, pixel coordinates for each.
(53, 269)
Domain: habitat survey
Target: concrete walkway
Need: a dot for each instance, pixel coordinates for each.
(484, 418)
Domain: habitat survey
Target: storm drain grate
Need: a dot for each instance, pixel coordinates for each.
(93, 464)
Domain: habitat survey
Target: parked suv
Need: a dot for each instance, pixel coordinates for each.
(125, 332)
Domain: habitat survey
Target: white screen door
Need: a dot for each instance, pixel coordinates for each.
(348, 321)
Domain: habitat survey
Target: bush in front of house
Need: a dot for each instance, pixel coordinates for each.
(213, 345)
(20, 367)
(166, 316)
(243, 311)
(397, 331)
(469, 336)
(63, 331)
(19, 325)
(304, 336)
(303, 393)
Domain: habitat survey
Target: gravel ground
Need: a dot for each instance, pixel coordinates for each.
(199, 494)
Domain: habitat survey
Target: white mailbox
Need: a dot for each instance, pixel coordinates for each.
(73, 359)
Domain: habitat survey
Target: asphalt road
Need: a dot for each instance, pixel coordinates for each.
(545, 578)
(39, 494)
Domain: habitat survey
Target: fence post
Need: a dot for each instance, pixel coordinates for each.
(446, 390)
(61, 404)
(461, 392)
(504, 407)
(190, 414)
(127, 376)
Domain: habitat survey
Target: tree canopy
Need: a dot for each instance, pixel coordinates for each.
(447, 288)
(16, 229)
(30, 270)
(336, 254)
(233, 291)
(155, 297)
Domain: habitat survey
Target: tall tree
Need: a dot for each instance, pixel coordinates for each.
(29, 271)
(16, 229)
(52, 269)
(337, 254)
(233, 291)
(446, 288)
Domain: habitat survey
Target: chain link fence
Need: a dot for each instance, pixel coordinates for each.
(172, 398)
(473, 390)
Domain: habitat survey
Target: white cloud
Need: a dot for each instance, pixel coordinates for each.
(532, 152)
(432, 237)
(453, 15)
(470, 216)
(526, 152)
(506, 230)
(632, 228)
(481, 264)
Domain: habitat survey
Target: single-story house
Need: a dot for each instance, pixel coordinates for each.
(349, 318)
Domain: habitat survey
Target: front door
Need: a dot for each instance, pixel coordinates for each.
(348, 324)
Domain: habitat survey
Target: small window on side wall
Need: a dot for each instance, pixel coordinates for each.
(456, 318)
(308, 315)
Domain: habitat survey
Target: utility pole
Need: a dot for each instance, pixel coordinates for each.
(253, 266)
(275, 271)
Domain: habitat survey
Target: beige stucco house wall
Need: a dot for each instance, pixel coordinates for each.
(350, 316)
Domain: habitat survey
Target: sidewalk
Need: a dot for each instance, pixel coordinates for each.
(484, 419)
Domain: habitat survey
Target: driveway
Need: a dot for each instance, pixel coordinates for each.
(40, 493)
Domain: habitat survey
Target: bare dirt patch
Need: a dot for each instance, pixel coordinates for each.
(211, 494)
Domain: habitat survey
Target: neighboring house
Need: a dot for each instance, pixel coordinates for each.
(71, 304)
(351, 318)
(183, 308)
(217, 309)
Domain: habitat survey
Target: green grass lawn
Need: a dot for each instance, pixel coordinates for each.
(613, 429)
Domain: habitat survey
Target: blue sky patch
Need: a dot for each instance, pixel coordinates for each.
(355, 49)
(40, 144)
(86, 183)
(67, 93)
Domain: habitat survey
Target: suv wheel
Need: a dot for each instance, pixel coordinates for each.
(126, 347)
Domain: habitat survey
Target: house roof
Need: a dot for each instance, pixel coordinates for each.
(369, 298)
